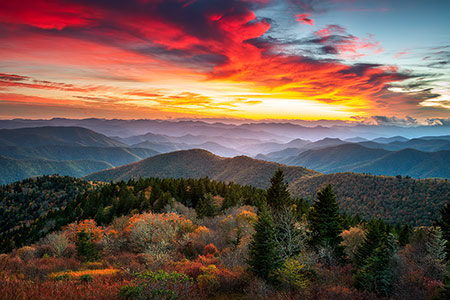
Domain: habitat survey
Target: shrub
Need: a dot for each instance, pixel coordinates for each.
(157, 285)
(86, 278)
(57, 242)
(62, 277)
(26, 253)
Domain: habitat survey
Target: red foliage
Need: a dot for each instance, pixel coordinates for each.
(98, 289)
(211, 250)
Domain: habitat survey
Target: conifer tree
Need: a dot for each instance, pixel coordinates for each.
(376, 273)
(263, 255)
(444, 223)
(278, 195)
(376, 229)
(86, 248)
(325, 222)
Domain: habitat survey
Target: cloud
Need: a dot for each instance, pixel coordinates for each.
(305, 19)
(395, 121)
(336, 40)
(208, 40)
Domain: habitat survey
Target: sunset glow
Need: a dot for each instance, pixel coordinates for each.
(254, 59)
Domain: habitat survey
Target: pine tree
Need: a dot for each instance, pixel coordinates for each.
(85, 247)
(444, 223)
(207, 206)
(263, 255)
(376, 229)
(444, 290)
(278, 195)
(325, 222)
(376, 274)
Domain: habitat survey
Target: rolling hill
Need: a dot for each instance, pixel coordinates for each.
(197, 163)
(395, 199)
(14, 170)
(356, 158)
(49, 135)
(116, 156)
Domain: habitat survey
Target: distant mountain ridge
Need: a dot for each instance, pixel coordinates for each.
(50, 135)
(360, 159)
(197, 163)
(367, 195)
(14, 170)
(73, 151)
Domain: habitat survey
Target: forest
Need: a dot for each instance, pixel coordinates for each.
(154, 238)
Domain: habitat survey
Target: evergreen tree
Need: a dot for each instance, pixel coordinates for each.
(376, 274)
(207, 206)
(99, 216)
(376, 230)
(263, 255)
(444, 290)
(325, 223)
(85, 247)
(278, 195)
(404, 235)
(444, 223)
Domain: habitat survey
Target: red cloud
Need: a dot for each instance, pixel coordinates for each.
(336, 37)
(213, 40)
(46, 14)
(305, 19)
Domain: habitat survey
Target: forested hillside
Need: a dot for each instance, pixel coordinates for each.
(32, 208)
(198, 163)
(12, 170)
(22, 203)
(393, 199)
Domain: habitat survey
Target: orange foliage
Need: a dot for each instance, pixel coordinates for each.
(89, 226)
(78, 274)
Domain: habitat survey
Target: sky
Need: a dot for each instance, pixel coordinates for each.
(347, 60)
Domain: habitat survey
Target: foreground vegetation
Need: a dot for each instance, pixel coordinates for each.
(202, 239)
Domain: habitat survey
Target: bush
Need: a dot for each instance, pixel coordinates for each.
(26, 253)
(62, 277)
(86, 278)
(157, 285)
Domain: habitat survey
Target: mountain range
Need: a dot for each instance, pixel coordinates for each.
(73, 151)
(364, 194)
(420, 157)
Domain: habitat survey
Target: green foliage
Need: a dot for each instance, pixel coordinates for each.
(62, 277)
(31, 209)
(444, 290)
(86, 248)
(158, 285)
(263, 255)
(444, 223)
(292, 274)
(277, 194)
(207, 206)
(404, 201)
(325, 222)
(375, 260)
(86, 278)
(23, 202)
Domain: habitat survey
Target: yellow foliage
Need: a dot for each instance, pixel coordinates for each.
(78, 274)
